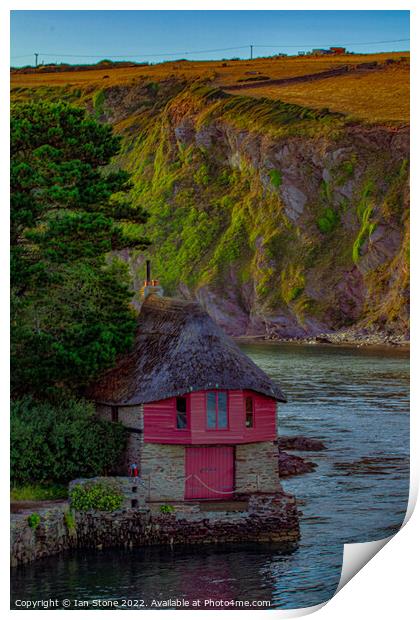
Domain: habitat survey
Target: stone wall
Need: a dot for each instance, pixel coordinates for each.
(272, 519)
(51, 536)
(163, 470)
(132, 416)
(257, 467)
(133, 420)
(268, 518)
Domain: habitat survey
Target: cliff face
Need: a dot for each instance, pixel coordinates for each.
(280, 220)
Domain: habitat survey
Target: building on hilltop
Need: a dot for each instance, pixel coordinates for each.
(201, 415)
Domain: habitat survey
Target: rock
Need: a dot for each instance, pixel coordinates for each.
(298, 442)
(290, 465)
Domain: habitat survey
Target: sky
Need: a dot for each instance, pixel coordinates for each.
(153, 36)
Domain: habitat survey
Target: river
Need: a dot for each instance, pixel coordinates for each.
(357, 401)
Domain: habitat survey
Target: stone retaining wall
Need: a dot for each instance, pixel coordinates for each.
(268, 518)
(50, 537)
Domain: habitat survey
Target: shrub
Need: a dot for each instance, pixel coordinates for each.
(96, 496)
(98, 103)
(166, 509)
(276, 178)
(61, 441)
(202, 176)
(328, 220)
(34, 520)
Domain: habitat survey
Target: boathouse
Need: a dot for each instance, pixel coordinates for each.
(201, 415)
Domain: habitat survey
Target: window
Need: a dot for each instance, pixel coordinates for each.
(114, 413)
(249, 412)
(181, 412)
(217, 414)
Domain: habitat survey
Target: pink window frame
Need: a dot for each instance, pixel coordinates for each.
(217, 428)
(187, 398)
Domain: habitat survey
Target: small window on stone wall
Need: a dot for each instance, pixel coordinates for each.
(114, 414)
(181, 412)
(249, 410)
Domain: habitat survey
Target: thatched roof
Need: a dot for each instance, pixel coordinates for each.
(179, 349)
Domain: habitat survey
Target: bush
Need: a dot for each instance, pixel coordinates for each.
(328, 221)
(61, 441)
(96, 496)
(166, 509)
(34, 520)
(276, 177)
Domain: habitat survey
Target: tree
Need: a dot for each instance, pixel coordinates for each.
(69, 212)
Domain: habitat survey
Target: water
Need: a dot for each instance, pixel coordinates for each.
(356, 400)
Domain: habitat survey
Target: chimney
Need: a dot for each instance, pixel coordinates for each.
(150, 287)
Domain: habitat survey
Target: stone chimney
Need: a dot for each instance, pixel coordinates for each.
(150, 287)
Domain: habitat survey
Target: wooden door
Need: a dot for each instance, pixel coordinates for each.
(209, 472)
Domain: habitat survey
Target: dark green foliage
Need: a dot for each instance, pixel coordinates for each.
(166, 509)
(328, 220)
(70, 308)
(61, 441)
(96, 496)
(276, 177)
(34, 520)
(295, 292)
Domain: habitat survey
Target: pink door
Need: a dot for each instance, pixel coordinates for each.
(209, 472)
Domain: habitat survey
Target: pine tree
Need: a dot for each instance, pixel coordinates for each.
(70, 211)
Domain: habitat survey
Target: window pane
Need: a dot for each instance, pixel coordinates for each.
(222, 410)
(249, 408)
(181, 412)
(181, 420)
(211, 410)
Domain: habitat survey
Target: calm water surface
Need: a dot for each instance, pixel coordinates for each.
(356, 400)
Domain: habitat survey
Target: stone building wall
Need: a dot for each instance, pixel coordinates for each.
(163, 470)
(256, 467)
(133, 420)
(132, 416)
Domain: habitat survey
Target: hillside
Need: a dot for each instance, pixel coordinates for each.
(282, 208)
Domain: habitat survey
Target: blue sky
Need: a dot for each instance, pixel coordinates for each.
(154, 35)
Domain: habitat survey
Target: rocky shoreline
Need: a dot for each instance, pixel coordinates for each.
(348, 337)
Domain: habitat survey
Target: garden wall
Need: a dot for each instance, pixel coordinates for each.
(268, 518)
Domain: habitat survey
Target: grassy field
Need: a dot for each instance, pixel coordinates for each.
(377, 96)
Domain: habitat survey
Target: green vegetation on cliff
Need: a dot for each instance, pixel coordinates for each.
(293, 217)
